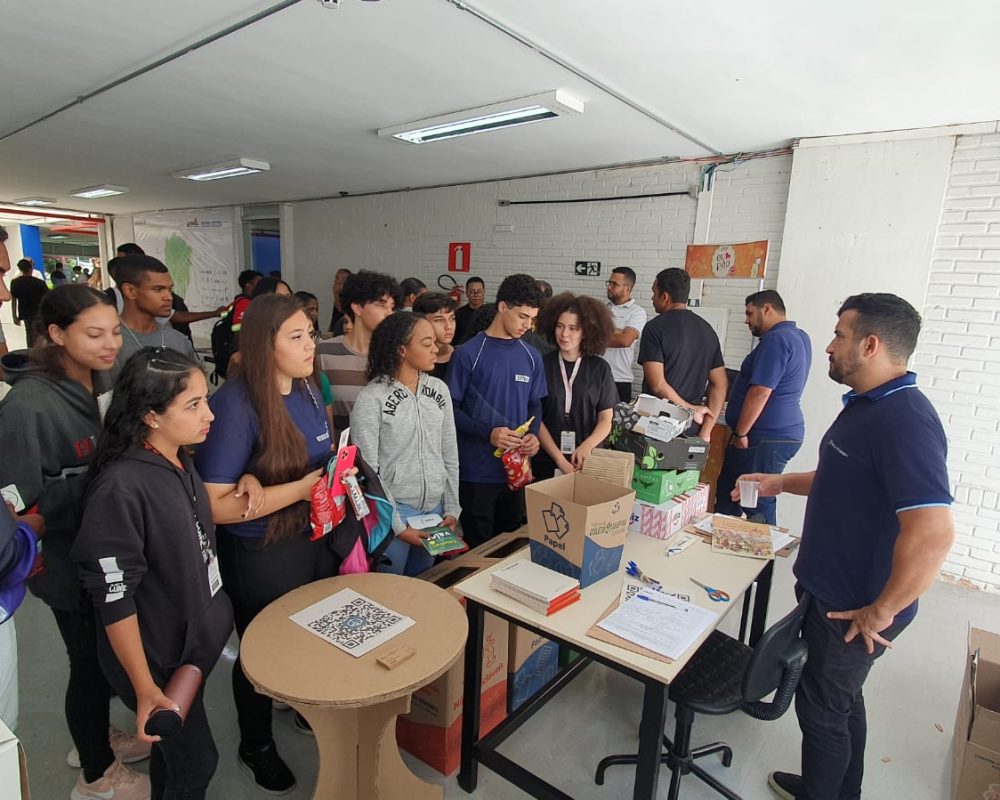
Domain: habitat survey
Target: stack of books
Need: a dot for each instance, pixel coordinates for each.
(540, 588)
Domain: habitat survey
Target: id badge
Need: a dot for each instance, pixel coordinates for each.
(567, 442)
(214, 576)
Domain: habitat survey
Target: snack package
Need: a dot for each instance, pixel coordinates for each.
(325, 513)
(518, 469)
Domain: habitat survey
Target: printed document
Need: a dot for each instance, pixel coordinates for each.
(660, 623)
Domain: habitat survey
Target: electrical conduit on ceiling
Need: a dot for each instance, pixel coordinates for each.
(207, 40)
(562, 62)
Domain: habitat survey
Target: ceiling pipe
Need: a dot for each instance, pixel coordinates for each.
(207, 40)
(49, 215)
(557, 59)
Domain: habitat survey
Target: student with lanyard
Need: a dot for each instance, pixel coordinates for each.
(576, 414)
(49, 422)
(404, 426)
(269, 421)
(147, 556)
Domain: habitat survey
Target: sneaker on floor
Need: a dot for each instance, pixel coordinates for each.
(301, 726)
(127, 748)
(786, 785)
(268, 771)
(118, 783)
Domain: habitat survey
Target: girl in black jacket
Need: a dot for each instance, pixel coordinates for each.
(147, 555)
(49, 422)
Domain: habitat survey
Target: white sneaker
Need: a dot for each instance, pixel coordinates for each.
(118, 783)
(127, 748)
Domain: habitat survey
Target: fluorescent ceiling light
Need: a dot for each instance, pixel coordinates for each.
(104, 190)
(224, 169)
(521, 111)
(58, 236)
(35, 201)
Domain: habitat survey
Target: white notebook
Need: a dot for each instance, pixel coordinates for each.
(534, 580)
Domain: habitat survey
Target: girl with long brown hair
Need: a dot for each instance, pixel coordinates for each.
(269, 422)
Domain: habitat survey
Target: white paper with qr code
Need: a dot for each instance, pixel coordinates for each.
(352, 622)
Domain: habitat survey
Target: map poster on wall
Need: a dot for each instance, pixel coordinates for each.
(199, 250)
(745, 260)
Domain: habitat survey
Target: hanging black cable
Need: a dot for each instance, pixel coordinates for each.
(692, 193)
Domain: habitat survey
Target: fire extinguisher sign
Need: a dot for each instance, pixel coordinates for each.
(459, 256)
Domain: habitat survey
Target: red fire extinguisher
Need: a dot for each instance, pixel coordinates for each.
(451, 286)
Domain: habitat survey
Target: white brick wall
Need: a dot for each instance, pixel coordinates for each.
(958, 357)
(407, 233)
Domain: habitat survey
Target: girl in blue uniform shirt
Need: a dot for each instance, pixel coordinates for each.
(269, 422)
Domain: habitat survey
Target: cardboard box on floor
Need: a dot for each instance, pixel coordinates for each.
(578, 525)
(532, 661)
(13, 767)
(976, 744)
(432, 731)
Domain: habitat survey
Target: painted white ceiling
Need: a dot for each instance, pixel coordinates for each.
(306, 88)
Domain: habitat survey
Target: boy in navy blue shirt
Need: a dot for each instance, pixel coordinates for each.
(877, 527)
(497, 383)
(763, 412)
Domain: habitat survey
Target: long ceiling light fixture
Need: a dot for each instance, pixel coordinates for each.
(521, 111)
(94, 192)
(35, 201)
(223, 169)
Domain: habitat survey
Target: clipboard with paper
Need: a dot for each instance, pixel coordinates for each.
(658, 625)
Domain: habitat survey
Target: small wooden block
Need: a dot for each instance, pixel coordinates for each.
(395, 657)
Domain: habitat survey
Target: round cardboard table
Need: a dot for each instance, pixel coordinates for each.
(352, 702)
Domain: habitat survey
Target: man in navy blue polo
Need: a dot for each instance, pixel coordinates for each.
(763, 412)
(877, 528)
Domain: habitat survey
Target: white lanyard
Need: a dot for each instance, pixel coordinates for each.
(568, 382)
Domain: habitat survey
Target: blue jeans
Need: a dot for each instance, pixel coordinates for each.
(405, 559)
(762, 455)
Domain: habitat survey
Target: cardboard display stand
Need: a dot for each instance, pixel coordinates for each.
(532, 661)
(432, 730)
(351, 702)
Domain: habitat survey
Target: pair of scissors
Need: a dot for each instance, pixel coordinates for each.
(715, 595)
(633, 569)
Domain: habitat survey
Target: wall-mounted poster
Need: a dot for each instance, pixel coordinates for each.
(744, 260)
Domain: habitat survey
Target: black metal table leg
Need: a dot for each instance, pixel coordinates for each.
(654, 718)
(468, 774)
(758, 623)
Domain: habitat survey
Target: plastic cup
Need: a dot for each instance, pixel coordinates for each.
(748, 493)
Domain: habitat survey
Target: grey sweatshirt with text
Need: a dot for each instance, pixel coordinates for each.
(410, 441)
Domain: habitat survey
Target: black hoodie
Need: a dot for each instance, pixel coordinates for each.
(48, 430)
(139, 552)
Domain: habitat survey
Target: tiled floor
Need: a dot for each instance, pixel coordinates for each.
(912, 689)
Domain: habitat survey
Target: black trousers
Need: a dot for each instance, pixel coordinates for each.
(831, 707)
(489, 509)
(624, 391)
(181, 766)
(88, 694)
(254, 575)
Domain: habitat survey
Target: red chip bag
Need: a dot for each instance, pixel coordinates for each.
(325, 513)
(518, 469)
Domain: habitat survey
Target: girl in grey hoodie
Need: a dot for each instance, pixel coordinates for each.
(404, 427)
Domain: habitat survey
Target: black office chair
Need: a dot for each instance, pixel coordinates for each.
(724, 676)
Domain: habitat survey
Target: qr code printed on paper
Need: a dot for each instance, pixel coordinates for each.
(352, 622)
(630, 590)
(355, 623)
